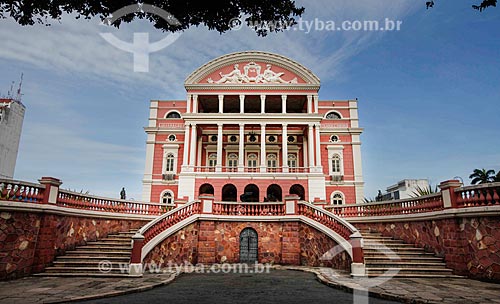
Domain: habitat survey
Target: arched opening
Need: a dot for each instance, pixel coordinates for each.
(337, 198)
(206, 189)
(274, 193)
(250, 194)
(299, 190)
(249, 244)
(173, 115)
(229, 193)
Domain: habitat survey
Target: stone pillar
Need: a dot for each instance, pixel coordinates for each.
(221, 103)
(195, 103)
(135, 267)
(291, 244)
(51, 191)
(283, 104)
(185, 155)
(448, 192)
(316, 103)
(242, 103)
(218, 166)
(206, 243)
(285, 148)
(188, 103)
(291, 204)
(318, 146)
(241, 149)
(263, 104)
(192, 158)
(263, 147)
(358, 259)
(309, 104)
(207, 203)
(310, 149)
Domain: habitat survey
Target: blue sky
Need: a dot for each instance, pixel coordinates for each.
(428, 94)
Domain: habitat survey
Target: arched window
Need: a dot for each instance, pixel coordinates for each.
(173, 115)
(272, 162)
(337, 198)
(169, 163)
(333, 115)
(292, 160)
(252, 162)
(232, 161)
(334, 138)
(336, 163)
(167, 198)
(212, 161)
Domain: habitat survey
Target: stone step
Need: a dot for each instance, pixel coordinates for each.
(382, 241)
(88, 270)
(398, 255)
(394, 249)
(83, 274)
(116, 239)
(105, 246)
(404, 265)
(409, 270)
(91, 258)
(395, 258)
(388, 245)
(416, 275)
(110, 243)
(124, 252)
(86, 263)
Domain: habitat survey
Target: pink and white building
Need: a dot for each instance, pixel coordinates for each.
(252, 128)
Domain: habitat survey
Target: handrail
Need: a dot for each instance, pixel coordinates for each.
(327, 218)
(172, 217)
(249, 209)
(427, 203)
(20, 191)
(479, 195)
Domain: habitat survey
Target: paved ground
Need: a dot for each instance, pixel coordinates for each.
(277, 286)
(292, 286)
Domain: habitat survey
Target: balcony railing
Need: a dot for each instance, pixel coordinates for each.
(284, 170)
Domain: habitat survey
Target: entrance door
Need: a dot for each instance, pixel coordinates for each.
(248, 246)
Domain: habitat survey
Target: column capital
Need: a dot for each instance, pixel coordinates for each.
(195, 96)
(242, 124)
(193, 124)
(311, 124)
(220, 124)
(284, 124)
(284, 96)
(317, 124)
(186, 124)
(263, 124)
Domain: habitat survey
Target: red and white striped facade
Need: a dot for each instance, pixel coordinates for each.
(252, 128)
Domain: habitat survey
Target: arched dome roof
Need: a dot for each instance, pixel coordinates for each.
(252, 69)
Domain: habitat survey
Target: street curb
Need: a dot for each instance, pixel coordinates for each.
(376, 294)
(117, 293)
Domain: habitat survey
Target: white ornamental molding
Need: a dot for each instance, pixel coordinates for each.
(252, 74)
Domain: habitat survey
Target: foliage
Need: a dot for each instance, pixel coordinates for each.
(422, 191)
(484, 4)
(482, 176)
(261, 15)
(369, 200)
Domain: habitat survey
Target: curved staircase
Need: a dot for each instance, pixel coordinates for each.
(92, 259)
(383, 253)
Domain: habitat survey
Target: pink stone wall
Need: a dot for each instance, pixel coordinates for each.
(208, 242)
(470, 246)
(29, 242)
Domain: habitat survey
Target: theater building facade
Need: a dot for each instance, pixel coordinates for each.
(253, 129)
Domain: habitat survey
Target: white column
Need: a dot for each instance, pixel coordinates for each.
(188, 103)
(242, 103)
(310, 149)
(304, 152)
(218, 167)
(283, 104)
(221, 103)
(316, 103)
(241, 151)
(195, 103)
(285, 148)
(263, 147)
(318, 147)
(185, 156)
(192, 151)
(309, 104)
(262, 103)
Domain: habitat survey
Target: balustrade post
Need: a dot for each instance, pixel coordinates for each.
(135, 267)
(358, 259)
(207, 203)
(51, 191)
(448, 193)
(291, 204)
